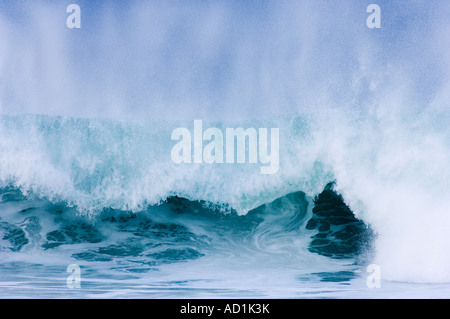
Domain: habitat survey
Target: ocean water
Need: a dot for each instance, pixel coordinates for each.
(92, 204)
(99, 195)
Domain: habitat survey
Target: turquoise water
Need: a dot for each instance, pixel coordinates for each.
(294, 247)
(88, 181)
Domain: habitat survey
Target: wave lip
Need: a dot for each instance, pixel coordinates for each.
(94, 164)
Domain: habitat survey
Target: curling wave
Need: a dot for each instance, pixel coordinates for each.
(391, 173)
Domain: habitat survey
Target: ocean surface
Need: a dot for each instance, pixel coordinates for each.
(93, 204)
(101, 195)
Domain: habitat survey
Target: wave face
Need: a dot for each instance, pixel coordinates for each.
(166, 232)
(128, 247)
(87, 116)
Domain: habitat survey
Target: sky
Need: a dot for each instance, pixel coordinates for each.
(219, 59)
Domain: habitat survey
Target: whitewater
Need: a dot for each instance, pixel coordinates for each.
(87, 178)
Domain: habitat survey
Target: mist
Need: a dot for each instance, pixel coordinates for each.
(213, 59)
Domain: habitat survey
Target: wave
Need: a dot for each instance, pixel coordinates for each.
(365, 108)
(390, 169)
(103, 163)
(179, 230)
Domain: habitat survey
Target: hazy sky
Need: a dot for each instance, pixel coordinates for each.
(219, 59)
